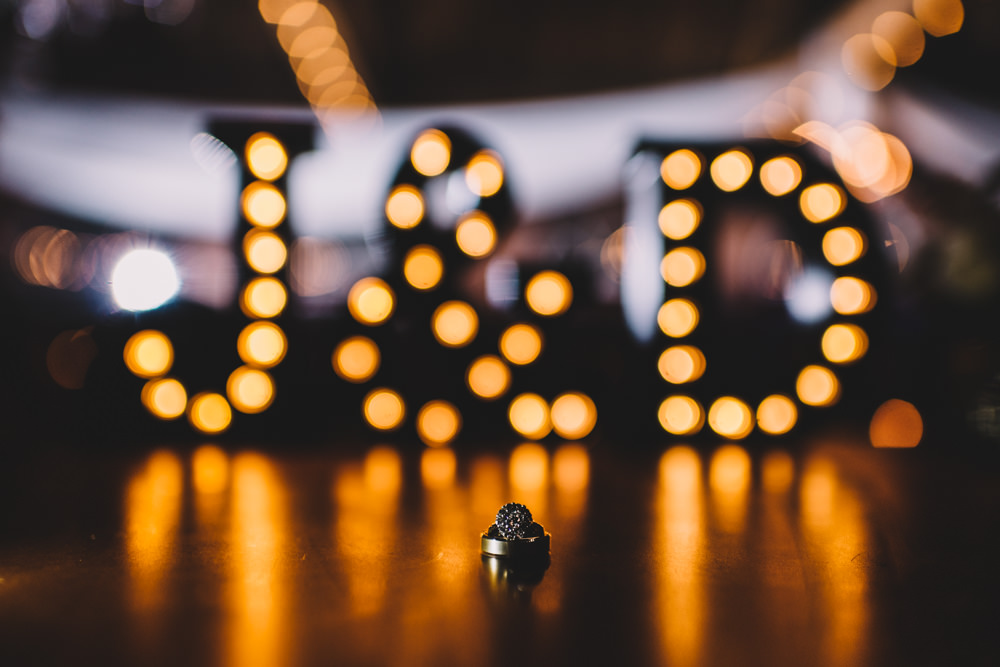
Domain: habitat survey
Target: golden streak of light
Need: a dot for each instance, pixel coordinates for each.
(313, 41)
(529, 415)
(680, 218)
(574, 415)
(475, 234)
(262, 344)
(843, 245)
(521, 343)
(258, 629)
(844, 343)
(817, 386)
(681, 169)
(148, 353)
(681, 363)
(250, 390)
(405, 207)
(164, 398)
(729, 475)
(571, 468)
(384, 409)
(455, 323)
(777, 414)
(731, 170)
(484, 173)
(777, 472)
(438, 422)
(681, 415)
(431, 152)
(549, 293)
(383, 472)
(437, 468)
(371, 301)
(423, 267)
(300, 17)
(903, 33)
(488, 377)
(271, 10)
(939, 17)
(731, 418)
(209, 412)
(265, 251)
(263, 205)
(152, 514)
(487, 486)
(821, 202)
(264, 298)
(896, 423)
(679, 533)
(852, 296)
(682, 266)
(265, 156)
(678, 317)
(209, 470)
(529, 474)
(780, 175)
(324, 67)
(356, 359)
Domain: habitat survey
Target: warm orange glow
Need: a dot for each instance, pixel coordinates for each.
(383, 472)
(571, 468)
(438, 422)
(521, 344)
(263, 297)
(549, 293)
(731, 418)
(300, 17)
(423, 267)
(371, 301)
(731, 170)
(817, 386)
(678, 317)
(851, 296)
(356, 359)
(484, 173)
(529, 467)
(209, 412)
(266, 157)
(574, 415)
(680, 169)
(475, 234)
(488, 377)
(843, 245)
(729, 480)
(250, 390)
(681, 415)
(896, 423)
(821, 202)
(209, 470)
(681, 363)
(777, 472)
(263, 205)
(148, 353)
(455, 323)
(939, 17)
(437, 468)
(405, 207)
(265, 251)
(384, 409)
(679, 218)
(325, 66)
(165, 398)
(780, 175)
(903, 33)
(431, 152)
(869, 61)
(313, 42)
(529, 416)
(844, 343)
(682, 266)
(873, 163)
(262, 344)
(777, 414)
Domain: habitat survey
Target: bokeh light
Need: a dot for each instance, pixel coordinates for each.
(678, 317)
(869, 61)
(780, 175)
(250, 390)
(571, 468)
(731, 170)
(371, 301)
(843, 245)
(455, 323)
(423, 267)
(821, 202)
(817, 386)
(521, 343)
(529, 415)
(263, 205)
(265, 251)
(731, 418)
(681, 363)
(209, 412)
(844, 343)
(484, 173)
(852, 296)
(777, 472)
(680, 169)
(356, 359)
(209, 470)
(405, 207)
(488, 377)
(438, 422)
(549, 293)
(903, 33)
(144, 279)
(573, 415)
(475, 234)
(682, 266)
(384, 409)
(431, 152)
(896, 423)
(149, 353)
(165, 398)
(264, 298)
(777, 414)
(437, 467)
(266, 157)
(939, 17)
(681, 415)
(679, 218)
(262, 344)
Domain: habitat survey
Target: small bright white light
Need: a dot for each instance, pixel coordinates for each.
(143, 280)
(807, 296)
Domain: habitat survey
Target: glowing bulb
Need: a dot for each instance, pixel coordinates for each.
(488, 377)
(209, 413)
(165, 398)
(431, 152)
(265, 156)
(843, 245)
(679, 218)
(817, 386)
(455, 323)
(143, 280)
(356, 359)
(529, 416)
(405, 207)
(731, 418)
(731, 170)
(844, 343)
(484, 173)
(265, 251)
(423, 267)
(574, 415)
(821, 202)
(149, 353)
(371, 301)
(250, 390)
(777, 414)
(262, 344)
(681, 415)
(549, 293)
(852, 296)
(677, 318)
(438, 422)
(521, 344)
(263, 205)
(896, 423)
(475, 234)
(682, 266)
(780, 175)
(681, 363)
(681, 169)
(939, 17)
(264, 298)
(384, 409)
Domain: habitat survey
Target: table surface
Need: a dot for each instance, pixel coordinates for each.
(814, 552)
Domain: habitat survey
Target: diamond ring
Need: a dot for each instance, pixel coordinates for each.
(515, 534)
